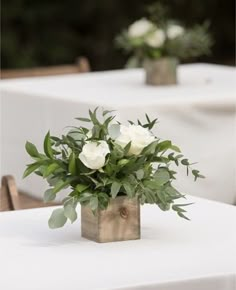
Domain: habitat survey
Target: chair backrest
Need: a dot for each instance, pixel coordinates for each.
(5, 197)
(9, 199)
(81, 65)
(5, 200)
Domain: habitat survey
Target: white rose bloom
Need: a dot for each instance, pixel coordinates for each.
(156, 39)
(140, 28)
(174, 31)
(93, 154)
(140, 137)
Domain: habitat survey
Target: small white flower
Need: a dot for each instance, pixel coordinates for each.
(174, 31)
(140, 138)
(156, 39)
(140, 28)
(94, 153)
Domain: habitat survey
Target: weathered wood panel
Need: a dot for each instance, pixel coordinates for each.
(119, 222)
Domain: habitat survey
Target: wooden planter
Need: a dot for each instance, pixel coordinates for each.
(119, 222)
(161, 72)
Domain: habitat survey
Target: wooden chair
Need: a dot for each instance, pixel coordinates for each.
(81, 65)
(11, 199)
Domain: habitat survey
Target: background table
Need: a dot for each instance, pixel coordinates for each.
(198, 115)
(173, 254)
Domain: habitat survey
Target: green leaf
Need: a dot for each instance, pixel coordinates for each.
(93, 203)
(114, 131)
(115, 188)
(84, 119)
(172, 192)
(85, 196)
(182, 215)
(152, 124)
(38, 172)
(96, 131)
(196, 174)
(175, 148)
(140, 174)
(201, 176)
(150, 149)
(107, 122)
(152, 184)
(161, 195)
(47, 146)
(93, 116)
(57, 219)
(161, 176)
(49, 195)
(31, 168)
(123, 162)
(148, 119)
(76, 136)
(50, 169)
(150, 196)
(128, 189)
(184, 204)
(171, 156)
(103, 200)
(72, 164)
(117, 152)
(185, 162)
(81, 167)
(62, 184)
(105, 112)
(127, 148)
(164, 145)
(161, 159)
(31, 149)
(179, 210)
(139, 123)
(81, 187)
(52, 180)
(70, 212)
(164, 206)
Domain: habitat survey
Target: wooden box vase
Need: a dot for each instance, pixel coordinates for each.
(161, 72)
(119, 222)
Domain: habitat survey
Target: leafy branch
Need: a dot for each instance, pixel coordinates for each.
(147, 176)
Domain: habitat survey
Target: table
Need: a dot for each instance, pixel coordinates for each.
(173, 254)
(199, 115)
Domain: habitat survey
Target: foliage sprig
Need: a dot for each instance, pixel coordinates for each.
(146, 176)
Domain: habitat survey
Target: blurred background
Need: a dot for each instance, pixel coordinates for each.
(41, 32)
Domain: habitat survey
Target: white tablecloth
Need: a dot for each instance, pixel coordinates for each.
(173, 254)
(199, 115)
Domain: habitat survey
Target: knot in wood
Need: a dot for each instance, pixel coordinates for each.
(124, 212)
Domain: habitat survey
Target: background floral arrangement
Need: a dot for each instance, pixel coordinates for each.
(105, 161)
(157, 36)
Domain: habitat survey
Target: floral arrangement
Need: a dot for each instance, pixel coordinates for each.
(157, 36)
(107, 160)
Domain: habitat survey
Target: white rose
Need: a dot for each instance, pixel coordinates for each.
(140, 137)
(93, 154)
(156, 39)
(174, 31)
(140, 28)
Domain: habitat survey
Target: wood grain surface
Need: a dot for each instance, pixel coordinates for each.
(119, 222)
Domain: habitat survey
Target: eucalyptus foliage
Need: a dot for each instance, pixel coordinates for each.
(147, 176)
